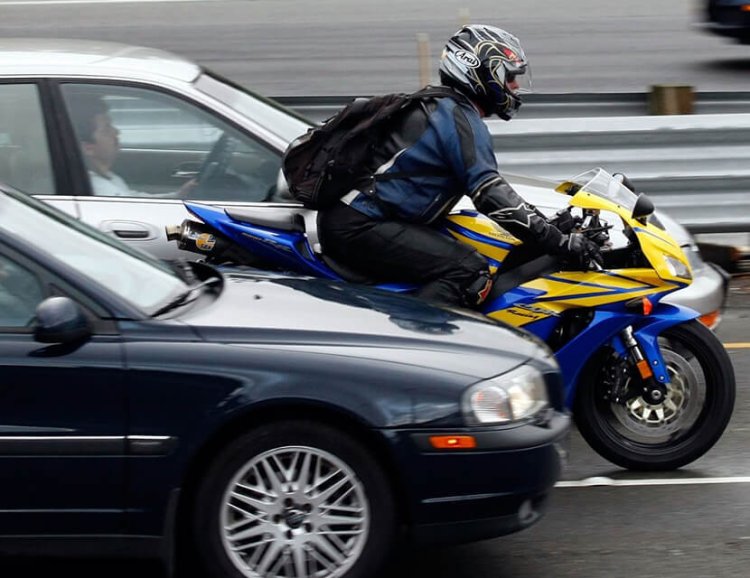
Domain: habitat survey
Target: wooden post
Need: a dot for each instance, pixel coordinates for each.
(423, 55)
(671, 99)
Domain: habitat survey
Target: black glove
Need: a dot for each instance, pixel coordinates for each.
(565, 221)
(580, 251)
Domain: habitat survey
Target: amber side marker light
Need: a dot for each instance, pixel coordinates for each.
(647, 306)
(640, 305)
(710, 320)
(453, 442)
(745, 7)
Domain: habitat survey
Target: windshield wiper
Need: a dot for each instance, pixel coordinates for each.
(183, 270)
(184, 297)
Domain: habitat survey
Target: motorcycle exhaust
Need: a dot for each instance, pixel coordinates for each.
(199, 238)
(196, 238)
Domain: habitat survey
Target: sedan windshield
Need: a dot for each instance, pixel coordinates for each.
(137, 277)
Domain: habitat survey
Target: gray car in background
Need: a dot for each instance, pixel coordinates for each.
(177, 123)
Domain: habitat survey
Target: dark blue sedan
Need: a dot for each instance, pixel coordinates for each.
(254, 423)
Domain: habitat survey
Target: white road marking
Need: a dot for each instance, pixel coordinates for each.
(605, 481)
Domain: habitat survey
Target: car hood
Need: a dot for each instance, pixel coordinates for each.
(329, 317)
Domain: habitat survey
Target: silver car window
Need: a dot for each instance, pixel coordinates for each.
(140, 142)
(24, 151)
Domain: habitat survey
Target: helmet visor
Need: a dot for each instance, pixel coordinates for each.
(518, 81)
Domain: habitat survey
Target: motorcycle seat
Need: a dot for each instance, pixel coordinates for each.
(281, 218)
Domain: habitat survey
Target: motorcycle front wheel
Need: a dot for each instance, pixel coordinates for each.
(638, 435)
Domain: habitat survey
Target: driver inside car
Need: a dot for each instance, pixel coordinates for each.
(100, 145)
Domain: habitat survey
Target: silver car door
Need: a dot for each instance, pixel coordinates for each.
(146, 151)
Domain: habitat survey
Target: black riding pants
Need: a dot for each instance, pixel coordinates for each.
(403, 252)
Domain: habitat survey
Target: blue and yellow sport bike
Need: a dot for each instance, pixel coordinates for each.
(650, 387)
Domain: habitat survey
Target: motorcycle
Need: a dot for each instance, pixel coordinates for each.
(649, 386)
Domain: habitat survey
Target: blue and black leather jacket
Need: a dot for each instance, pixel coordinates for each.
(441, 151)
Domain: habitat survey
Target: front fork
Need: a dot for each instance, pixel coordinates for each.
(646, 358)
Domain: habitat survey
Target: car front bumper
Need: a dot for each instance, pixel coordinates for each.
(707, 294)
(498, 488)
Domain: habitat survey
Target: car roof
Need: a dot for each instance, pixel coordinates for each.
(31, 57)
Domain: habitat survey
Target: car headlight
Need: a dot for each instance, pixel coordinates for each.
(677, 268)
(514, 396)
(694, 258)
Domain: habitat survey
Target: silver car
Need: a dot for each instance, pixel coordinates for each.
(173, 131)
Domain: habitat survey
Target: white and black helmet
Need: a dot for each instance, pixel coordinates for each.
(489, 66)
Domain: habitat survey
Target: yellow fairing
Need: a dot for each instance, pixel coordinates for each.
(520, 315)
(573, 289)
(484, 227)
(655, 242)
(552, 294)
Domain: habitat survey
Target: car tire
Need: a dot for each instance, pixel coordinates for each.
(294, 498)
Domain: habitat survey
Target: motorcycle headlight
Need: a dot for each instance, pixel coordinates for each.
(677, 268)
(511, 397)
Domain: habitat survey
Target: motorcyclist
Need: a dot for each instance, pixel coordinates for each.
(446, 151)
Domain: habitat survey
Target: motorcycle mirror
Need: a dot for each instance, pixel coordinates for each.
(625, 181)
(643, 208)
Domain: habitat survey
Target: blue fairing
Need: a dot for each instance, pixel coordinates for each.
(543, 328)
(605, 326)
(287, 249)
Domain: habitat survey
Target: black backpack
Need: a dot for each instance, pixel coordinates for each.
(328, 161)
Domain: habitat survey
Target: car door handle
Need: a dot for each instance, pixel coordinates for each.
(180, 174)
(187, 170)
(127, 229)
(123, 234)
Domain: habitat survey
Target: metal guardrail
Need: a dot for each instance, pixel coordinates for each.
(696, 167)
(556, 105)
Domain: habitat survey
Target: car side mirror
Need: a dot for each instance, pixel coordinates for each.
(643, 208)
(60, 320)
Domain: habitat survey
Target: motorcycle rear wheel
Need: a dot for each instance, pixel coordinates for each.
(697, 408)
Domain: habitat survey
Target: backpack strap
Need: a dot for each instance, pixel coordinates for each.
(439, 92)
(424, 93)
(366, 184)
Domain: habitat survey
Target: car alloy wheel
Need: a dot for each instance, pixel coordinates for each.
(293, 512)
(294, 499)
